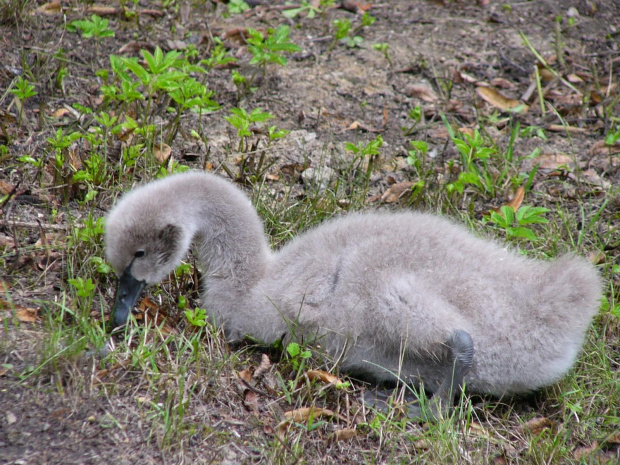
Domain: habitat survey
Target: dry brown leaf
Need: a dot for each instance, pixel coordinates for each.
(596, 258)
(537, 425)
(323, 376)
(302, 414)
(355, 6)
(3, 372)
(250, 400)
(478, 430)
(574, 78)
(613, 439)
(468, 131)
(60, 113)
(152, 12)
(5, 187)
(264, 366)
(546, 74)
(135, 46)
(516, 201)
(50, 8)
(162, 152)
(74, 158)
(503, 83)
(422, 91)
(553, 161)
(245, 375)
(102, 10)
(27, 315)
(495, 98)
(344, 434)
(584, 451)
(467, 77)
(397, 192)
(101, 374)
(601, 148)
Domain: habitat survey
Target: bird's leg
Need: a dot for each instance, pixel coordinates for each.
(461, 348)
(461, 353)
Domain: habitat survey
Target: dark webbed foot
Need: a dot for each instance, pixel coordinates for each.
(461, 352)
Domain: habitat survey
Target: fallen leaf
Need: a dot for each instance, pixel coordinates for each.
(323, 376)
(397, 192)
(596, 258)
(250, 400)
(553, 161)
(264, 366)
(516, 201)
(11, 418)
(537, 425)
(245, 375)
(593, 178)
(601, 148)
(5, 187)
(574, 79)
(613, 439)
(422, 91)
(467, 77)
(302, 414)
(344, 434)
(4, 371)
(584, 451)
(60, 113)
(6, 241)
(162, 152)
(102, 10)
(27, 315)
(135, 46)
(152, 12)
(175, 44)
(495, 98)
(50, 8)
(503, 83)
(355, 6)
(101, 374)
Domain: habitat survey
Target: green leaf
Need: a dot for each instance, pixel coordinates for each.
(521, 232)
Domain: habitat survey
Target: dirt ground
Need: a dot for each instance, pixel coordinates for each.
(439, 53)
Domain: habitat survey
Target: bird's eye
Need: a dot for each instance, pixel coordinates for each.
(139, 253)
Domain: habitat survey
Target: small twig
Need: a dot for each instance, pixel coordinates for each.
(36, 225)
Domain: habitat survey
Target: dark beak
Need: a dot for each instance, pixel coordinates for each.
(127, 293)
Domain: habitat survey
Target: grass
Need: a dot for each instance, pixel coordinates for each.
(174, 379)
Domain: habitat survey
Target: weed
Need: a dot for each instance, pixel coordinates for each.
(242, 120)
(311, 9)
(22, 91)
(384, 48)
(515, 224)
(297, 355)
(236, 7)
(416, 115)
(196, 317)
(269, 49)
(96, 27)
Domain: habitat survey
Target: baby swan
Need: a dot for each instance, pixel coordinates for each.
(390, 294)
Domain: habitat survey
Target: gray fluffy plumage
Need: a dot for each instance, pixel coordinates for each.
(383, 291)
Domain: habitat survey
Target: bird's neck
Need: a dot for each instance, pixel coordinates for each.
(230, 240)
